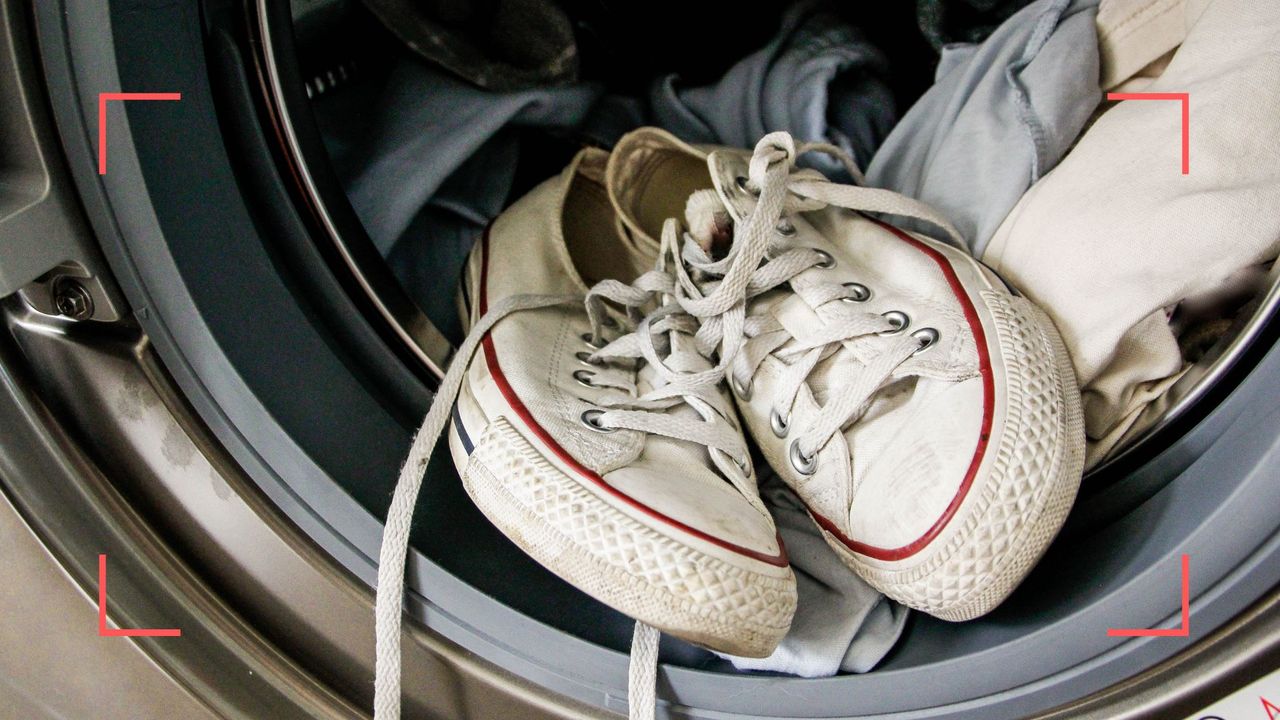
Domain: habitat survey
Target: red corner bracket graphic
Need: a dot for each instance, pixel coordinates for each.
(1184, 630)
(102, 118)
(1185, 99)
(105, 631)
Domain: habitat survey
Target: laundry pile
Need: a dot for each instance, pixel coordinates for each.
(722, 380)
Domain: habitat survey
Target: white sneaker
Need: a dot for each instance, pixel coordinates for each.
(635, 487)
(927, 416)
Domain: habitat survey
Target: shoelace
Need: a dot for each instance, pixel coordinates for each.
(762, 258)
(658, 340)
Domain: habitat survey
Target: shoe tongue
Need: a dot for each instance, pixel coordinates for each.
(649, 177)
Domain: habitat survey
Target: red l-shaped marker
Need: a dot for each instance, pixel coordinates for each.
(102, 118)
(105, 631)
(1184, 630)
(1185, 99)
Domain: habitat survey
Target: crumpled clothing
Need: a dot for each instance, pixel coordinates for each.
(429, 123)
(819, 79)
(428, 260)
(1116, 236)
(999, 117)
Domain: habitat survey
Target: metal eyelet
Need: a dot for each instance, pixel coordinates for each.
(585, 359)
(743, 463)
(744, 391)
(586, 338)
(898, 319)
(584, 378)
(785, 228)
(745, 186)
(803, 464)
(779, 424)
(591, 418)
(827, 262)
(928, 337)
(861, 293)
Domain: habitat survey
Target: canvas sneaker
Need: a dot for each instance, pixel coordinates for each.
(589, 429)
(926, 414)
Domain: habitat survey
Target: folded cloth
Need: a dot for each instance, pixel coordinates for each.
(1115, 237)
(1135, 34)
(999, 117)
(841, 624)
(427, 124)
(819, 79)
(946, 22)
(428, 258)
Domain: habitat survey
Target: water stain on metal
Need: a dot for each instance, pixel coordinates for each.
(220, 486)
(176, 447)
(132, 400)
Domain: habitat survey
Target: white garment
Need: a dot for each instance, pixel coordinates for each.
(1134, 34)
(841, 624)
(1116, 235)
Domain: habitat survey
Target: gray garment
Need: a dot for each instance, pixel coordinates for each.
(1000, 116)
(428, 259)
(819, 79)
(842, 624)
(427, 125)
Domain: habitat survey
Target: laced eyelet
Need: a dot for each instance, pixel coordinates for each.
(745, 186)
(584, 378)
(785, 228)
(585, 359)
(586, 338)
(898, 319)
(803, 464)
(928, 337)
(744, 391)
(827, 262)
(591, 418)
(778, 423)
(860, 293)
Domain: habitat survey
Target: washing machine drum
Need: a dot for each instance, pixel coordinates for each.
(274, 308)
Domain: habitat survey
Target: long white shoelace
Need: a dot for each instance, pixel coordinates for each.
(677, 379)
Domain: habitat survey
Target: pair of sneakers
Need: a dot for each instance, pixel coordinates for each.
(634, 319)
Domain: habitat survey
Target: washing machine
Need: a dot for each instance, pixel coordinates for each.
(209, 377)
